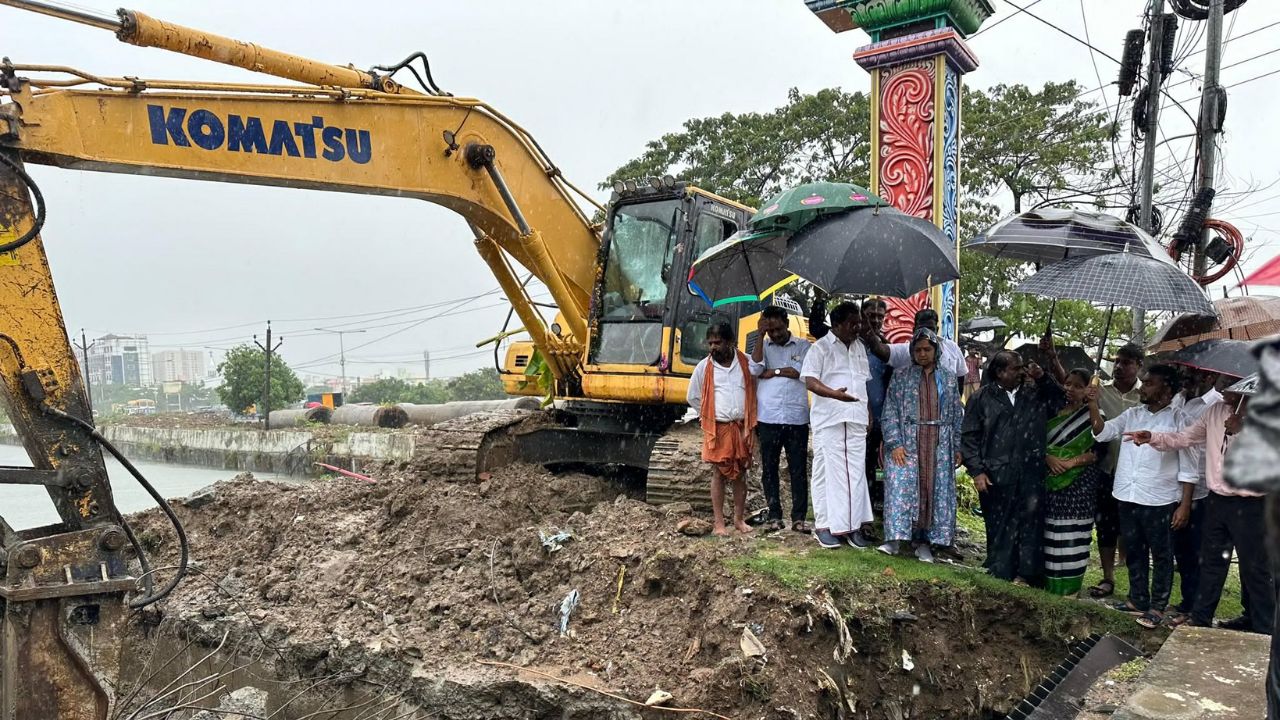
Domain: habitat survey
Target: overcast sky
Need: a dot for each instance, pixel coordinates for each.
(204, 265)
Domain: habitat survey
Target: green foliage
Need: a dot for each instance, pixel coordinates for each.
(1130, 670)
(395, 390)
(752, 156)
(243, 371)
(1044, 146)
(480, 384)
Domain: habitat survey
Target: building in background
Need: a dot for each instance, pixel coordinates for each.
(120, 360)
(187, 366)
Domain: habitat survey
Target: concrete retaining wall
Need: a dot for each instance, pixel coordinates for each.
(286, 452)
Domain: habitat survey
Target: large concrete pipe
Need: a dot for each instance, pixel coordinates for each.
(432, 414)
(385, 416)
(281, 419)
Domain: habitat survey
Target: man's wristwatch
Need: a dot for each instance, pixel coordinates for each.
(777, 372)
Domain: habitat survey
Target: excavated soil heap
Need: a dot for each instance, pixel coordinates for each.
(410, 582)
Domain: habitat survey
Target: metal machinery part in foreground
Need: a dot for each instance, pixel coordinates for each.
(63, 588)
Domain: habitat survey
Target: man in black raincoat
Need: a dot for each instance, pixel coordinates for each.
(1003, 446)
(1254, 464)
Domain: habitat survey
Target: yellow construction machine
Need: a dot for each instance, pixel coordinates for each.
(625, 336)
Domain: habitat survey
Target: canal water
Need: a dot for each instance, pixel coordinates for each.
(29, 506)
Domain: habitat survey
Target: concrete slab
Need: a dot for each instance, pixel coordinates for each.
(1203, 674)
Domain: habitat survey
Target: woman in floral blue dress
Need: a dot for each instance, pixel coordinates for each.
(921, 423)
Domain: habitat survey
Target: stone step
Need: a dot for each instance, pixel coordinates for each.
(1203, 673)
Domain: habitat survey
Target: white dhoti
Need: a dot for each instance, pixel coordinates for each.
(841, 500)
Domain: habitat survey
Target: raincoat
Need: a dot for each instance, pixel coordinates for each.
(1006, 442)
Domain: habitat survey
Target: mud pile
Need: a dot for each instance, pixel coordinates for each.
(414, 582)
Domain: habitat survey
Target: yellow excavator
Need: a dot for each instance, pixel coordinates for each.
(626, 332)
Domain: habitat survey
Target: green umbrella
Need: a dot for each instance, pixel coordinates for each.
(797, 207)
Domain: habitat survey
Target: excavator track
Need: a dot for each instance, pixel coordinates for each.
(472, 444)
(676, 470)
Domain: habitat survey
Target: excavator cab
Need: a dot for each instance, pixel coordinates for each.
(644, 314)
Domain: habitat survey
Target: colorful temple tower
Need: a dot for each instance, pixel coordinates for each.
(916, 58)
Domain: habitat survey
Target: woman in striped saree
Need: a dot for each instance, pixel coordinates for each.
(1073, 477)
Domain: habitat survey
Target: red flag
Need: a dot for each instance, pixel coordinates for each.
(1268, 274)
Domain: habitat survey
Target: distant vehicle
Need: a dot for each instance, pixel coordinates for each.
(141, 407)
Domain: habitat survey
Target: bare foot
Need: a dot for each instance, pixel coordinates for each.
(743, 527)
(720, 531)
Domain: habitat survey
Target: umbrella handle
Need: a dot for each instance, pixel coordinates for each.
(1102, 347)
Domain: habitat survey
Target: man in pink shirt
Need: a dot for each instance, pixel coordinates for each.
(1233, 517)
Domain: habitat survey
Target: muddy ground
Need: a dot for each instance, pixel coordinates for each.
(412, 583)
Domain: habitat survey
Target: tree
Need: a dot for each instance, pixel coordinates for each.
(242, 373)
(395, 390)
(753, 156)
(1044, 147)
(481, 384)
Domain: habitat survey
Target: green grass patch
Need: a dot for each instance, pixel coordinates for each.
(1130, 670)
(860, 573)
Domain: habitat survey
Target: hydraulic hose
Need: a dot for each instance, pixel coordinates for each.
(183, 545)
(38, 198)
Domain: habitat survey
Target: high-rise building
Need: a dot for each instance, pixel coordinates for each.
(120, 360)
(188, 366)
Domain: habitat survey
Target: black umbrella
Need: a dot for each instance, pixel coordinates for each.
(1119, 279)
(872, 251)
(1070, 356)
(1048, 235)
(982, 324)
(1228, 357)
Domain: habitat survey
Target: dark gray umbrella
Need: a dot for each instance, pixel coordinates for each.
(1120, 279)
(872, 251)
(1229, 357)
(982, 324)
(1048, 235)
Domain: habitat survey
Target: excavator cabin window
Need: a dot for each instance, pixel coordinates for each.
(642, 243)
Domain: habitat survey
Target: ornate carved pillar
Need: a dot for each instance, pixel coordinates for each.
(916, 59)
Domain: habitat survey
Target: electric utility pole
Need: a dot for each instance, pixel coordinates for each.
(426, 364)
(1208, 125)
(1151, 129)
(342, 354)
(268, 349)
(84, 358)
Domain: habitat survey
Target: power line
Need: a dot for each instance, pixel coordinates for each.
(1084, 20)
(391, 312)
(1087, 44)
(445, 313)
(1239, 37)
(1002, 20)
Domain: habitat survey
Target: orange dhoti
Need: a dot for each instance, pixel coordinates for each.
(729, 448)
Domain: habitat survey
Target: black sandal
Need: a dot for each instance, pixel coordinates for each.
(1128, 609)
(1150, 620)
(1103, 589)
(801, 526)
